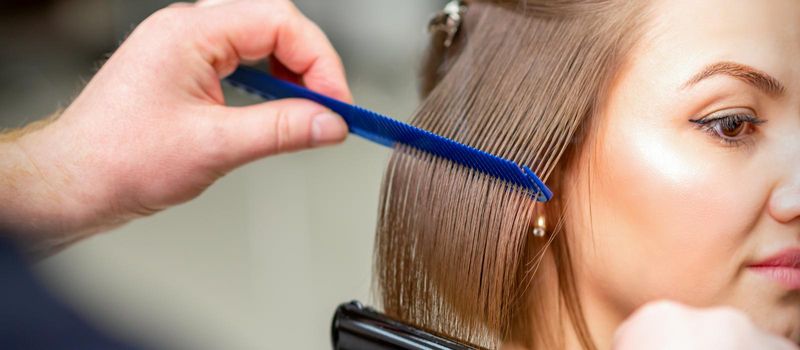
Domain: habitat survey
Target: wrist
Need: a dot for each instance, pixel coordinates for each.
(42, 203)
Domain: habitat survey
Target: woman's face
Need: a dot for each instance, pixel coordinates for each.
(684, 211)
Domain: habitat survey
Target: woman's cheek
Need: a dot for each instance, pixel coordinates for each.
(671, 214)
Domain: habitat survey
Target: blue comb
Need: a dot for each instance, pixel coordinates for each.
(389, 132)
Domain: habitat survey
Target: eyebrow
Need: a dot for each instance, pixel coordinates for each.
(758, 79)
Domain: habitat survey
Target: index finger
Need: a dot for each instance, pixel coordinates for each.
(250, 30)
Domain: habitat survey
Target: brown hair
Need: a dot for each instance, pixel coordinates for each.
(523, 80)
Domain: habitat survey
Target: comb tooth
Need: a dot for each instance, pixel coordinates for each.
(517, 171)
(487, 168)
(493, 169)
(389, 132)
(498, 170)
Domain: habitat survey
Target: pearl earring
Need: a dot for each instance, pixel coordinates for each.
(539, 228)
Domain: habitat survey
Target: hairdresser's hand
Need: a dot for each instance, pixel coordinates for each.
(669, 325)
(151, 129)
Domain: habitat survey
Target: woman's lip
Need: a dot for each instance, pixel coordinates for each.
(789, 277)
(787, 258)
(783, 267)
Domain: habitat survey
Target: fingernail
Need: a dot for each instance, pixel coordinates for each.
(326, 128)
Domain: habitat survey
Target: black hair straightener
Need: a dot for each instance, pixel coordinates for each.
(356, 327)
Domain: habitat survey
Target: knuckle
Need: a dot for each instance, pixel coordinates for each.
(280, 5)
(282, 131)
(662, 313)
(661, 308)
(279, 12)
(170, 17)
(658, 321)
(731, 317)
(163, 16)
(291, 9)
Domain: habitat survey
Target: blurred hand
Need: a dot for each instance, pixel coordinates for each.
(151, 129)
(669, 325)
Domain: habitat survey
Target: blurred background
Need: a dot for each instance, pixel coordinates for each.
(259, 261)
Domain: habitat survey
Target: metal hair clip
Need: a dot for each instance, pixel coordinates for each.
(448, 20)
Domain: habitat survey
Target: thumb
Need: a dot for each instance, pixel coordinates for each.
(252, 132)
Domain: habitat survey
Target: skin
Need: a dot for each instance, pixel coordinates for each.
(151, 129)
(660, 209)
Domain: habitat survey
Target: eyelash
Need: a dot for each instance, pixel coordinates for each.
(710, 125)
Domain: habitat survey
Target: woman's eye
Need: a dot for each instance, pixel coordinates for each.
(731, 128)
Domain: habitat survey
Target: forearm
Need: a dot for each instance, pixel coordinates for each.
(37, 202)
